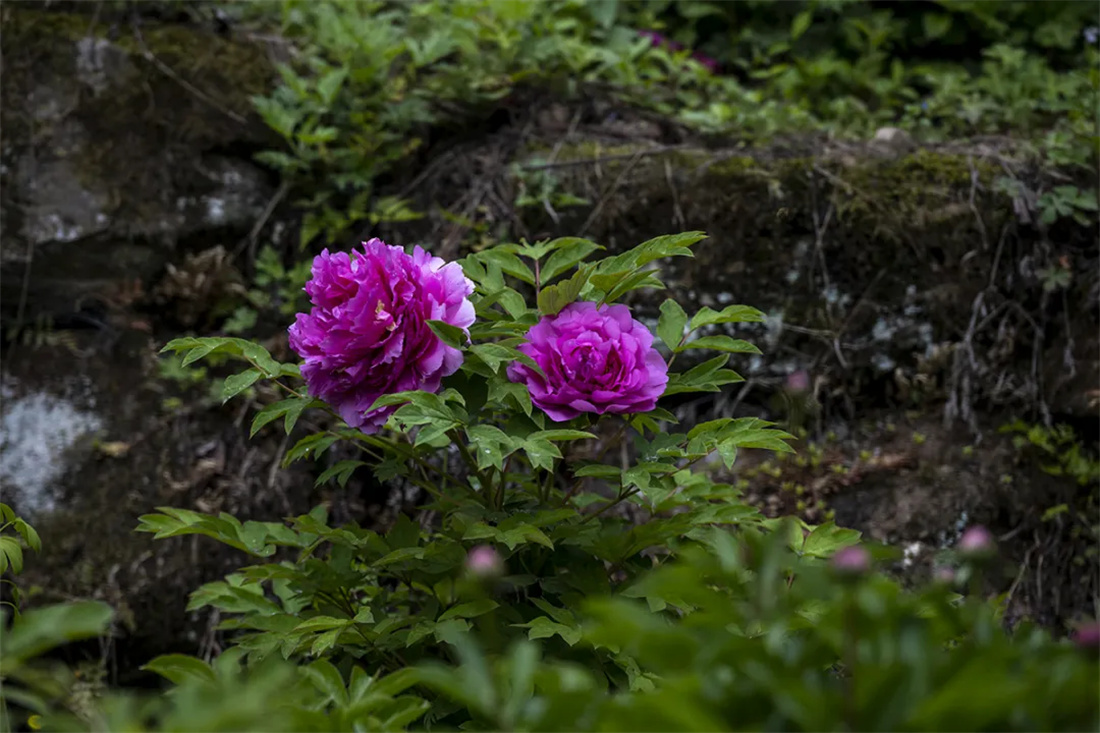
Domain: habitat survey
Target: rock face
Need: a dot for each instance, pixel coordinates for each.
(911, 276)
(121, 146)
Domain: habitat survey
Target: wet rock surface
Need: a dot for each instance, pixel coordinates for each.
(120, 149)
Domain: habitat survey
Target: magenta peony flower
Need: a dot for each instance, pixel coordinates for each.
(657, 40)
(367, 334)
(595, 360)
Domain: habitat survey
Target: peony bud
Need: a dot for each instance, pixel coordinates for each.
(852, 560)
(944, 575)
(1087, 636)
(798, 381)
(977, 543)
(484, 562)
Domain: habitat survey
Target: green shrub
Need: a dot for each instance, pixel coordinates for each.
(544, 588)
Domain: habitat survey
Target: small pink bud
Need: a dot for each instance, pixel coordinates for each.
(852, 560)
(976, 541)
(798, 381)
(944, 575)
(484, 562)
(1087, 636)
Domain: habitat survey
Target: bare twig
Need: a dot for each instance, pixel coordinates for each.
(254, 234)
(605, 158)
(678, 218)
(167, 71)
(607, 193)
(974, 183)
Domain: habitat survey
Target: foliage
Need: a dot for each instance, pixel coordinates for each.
(15, 534)
(759, 638)
(1062, 453)
(370, 80)
(542, 587)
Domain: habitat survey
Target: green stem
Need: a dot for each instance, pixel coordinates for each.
(623, 496)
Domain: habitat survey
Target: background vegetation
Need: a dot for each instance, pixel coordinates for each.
(750, 622)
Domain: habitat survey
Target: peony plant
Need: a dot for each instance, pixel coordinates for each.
(543, 585)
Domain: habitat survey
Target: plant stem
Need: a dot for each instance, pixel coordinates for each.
(623, 496)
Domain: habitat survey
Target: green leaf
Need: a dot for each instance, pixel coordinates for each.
(617, 284)
(311, 446)
(30, 536)
(490, 444)
(827, 538)
(508, 262)
(251, 352)
(561, 435)
(327, 679)
(11, 555)
(471, 609)
(544, 628)
(42, 629)
(801, 24)
(555, 297)
(238, 383)
(670, 327)
(342, 471)
(721, 343)
(669, 245)
(524, 534)
(730, 314)
(329, 85)
(451, 335)
(289, 409)
(322, 623)
(179, 668)
(570, 252)
(541, 453)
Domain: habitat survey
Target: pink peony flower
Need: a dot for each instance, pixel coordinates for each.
(367, 334)
(595, 359)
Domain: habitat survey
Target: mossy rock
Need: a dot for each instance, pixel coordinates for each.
(905, 275)
(121, 144)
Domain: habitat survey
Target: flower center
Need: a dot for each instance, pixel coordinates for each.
(381, 314)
